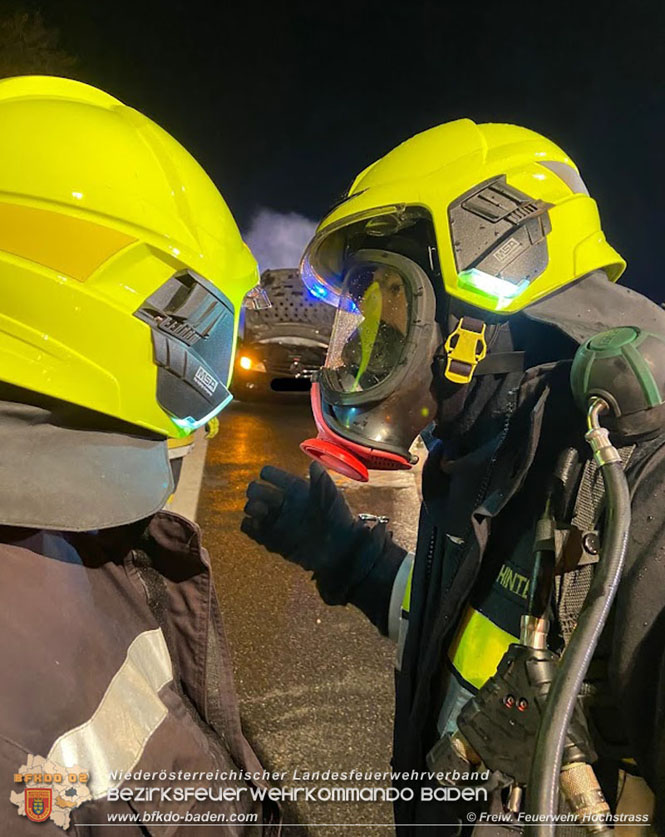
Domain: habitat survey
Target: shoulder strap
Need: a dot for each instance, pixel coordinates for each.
(591, 493)
(571, 587)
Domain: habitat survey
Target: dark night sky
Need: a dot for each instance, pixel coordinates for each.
(284, 103)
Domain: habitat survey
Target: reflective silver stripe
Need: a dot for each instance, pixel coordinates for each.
(397, 596)
(568, 174)
(130, 710)
(401, 642)
(455, 698)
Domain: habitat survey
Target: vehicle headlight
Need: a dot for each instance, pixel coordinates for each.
(248, 363)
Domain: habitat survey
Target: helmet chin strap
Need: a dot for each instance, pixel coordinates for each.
(468, 351)
(501, 363)
(458, 370)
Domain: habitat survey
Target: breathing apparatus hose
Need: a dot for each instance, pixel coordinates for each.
(543, 786)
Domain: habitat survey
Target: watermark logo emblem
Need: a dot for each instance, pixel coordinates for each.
(38, 803)
(50, 791)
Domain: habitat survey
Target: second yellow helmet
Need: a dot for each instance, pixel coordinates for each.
(122, 271)
(510, 217)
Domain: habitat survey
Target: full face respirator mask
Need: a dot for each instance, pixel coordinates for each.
(372, 397)
(391, 368)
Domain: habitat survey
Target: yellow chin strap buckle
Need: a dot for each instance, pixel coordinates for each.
(465, 348)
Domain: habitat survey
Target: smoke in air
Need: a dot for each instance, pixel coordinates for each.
(278, 239)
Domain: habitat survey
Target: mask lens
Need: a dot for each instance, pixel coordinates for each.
(370, 329)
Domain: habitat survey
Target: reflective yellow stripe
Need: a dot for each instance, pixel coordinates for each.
(129, 712)
(60, 242)
(406, 600)
(478, 648)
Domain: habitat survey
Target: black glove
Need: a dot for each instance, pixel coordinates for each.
(309, 523)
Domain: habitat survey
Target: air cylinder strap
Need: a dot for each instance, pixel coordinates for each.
(571, 587)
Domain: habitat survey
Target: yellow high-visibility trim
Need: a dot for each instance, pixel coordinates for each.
(60, 242)
(478, 648)
(406, 600)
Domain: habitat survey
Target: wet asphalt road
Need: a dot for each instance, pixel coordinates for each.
(315, 683)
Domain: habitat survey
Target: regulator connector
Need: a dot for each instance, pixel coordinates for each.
(597, 436)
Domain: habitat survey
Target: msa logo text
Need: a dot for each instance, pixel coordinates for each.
(508, 249)
(205, 380)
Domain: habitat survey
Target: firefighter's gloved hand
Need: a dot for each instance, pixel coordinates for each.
(297, 518)
(308, 522)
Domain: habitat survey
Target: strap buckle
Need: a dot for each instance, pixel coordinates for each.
(465, 348)
(373, 518)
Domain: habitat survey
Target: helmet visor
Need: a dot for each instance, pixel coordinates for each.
(323, 264)
(371, 327)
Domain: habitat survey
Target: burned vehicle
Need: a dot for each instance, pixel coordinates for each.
(279, 348)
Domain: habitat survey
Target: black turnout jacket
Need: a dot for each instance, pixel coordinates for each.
(480, 504)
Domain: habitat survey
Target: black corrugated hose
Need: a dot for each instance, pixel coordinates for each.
(543, 788)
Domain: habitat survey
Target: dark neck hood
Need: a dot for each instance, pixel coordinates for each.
(65, 468)
(594, 304)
